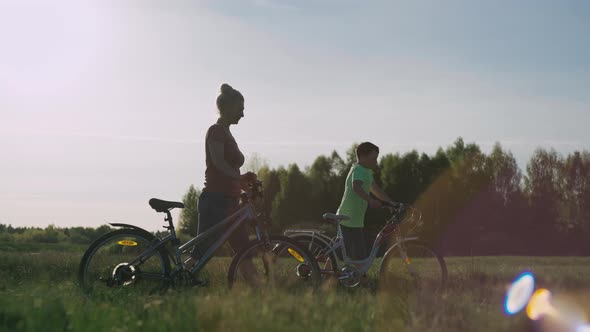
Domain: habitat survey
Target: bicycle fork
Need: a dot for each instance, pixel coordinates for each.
(406, 259)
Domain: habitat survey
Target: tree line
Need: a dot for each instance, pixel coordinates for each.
(472, 203)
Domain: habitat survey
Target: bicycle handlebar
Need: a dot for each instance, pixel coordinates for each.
(255, 192)
(402, 213)
(392, 205)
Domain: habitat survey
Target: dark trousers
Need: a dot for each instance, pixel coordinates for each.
(213, 208)
(354, 242)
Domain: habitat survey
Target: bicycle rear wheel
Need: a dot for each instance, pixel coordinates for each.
(327, 261)
(412, 264)
(111, 263)
(276, 263)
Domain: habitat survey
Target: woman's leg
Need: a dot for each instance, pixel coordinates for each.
(238, 240)
(212, 210)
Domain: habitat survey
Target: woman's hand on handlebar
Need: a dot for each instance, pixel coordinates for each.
(247, 180)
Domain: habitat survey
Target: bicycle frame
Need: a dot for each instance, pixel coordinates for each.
(399, 225)
(244, 214)
(391, 228)
(364, 264)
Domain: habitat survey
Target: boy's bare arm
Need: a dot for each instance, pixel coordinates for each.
(379, 193)
(358, 189)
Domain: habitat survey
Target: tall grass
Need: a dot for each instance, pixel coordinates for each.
(38, 292)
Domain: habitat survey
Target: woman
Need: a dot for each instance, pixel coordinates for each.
(223, 182)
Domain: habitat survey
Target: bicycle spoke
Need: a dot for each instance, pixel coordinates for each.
(413, 264)
(280, 265)
(109, 263)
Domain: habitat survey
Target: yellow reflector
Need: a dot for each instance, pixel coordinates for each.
(127, 243)
(295, 254)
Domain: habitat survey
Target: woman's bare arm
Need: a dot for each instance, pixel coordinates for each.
(216, 151)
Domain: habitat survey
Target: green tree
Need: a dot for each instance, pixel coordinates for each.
(271, 183)
(402, 177)
(506, 176)
(542, 183)
(292, 203)
(326, 184)
(189, 216)
(575, 192)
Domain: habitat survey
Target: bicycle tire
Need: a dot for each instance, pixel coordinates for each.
(421, 257)
(275, 246)
(318, 249)
(87, 279)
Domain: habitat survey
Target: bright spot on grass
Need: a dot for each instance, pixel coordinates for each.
(519, 293)
(540, 304)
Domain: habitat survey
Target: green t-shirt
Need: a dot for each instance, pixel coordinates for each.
(352, 204)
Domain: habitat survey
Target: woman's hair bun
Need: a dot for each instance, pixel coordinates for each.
(226, 88)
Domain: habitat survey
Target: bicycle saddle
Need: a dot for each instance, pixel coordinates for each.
(163, 206)
(334, 218)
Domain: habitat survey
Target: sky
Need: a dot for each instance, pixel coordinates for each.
(105, 104)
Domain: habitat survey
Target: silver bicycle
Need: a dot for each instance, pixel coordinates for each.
(132, 257)
(407, 260)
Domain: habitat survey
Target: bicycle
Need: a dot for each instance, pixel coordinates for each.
(408, 259)
(133, 257)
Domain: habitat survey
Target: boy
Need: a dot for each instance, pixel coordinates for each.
(356, 198)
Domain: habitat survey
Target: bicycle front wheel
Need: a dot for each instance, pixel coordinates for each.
(412, 265)
(276, 263)
(123, 259)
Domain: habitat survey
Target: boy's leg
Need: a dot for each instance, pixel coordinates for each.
(359, 248)
(356, 246)
(354, 241)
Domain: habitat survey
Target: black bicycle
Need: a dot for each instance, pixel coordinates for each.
(132, 257)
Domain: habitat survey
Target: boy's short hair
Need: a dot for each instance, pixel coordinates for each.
(366, 148)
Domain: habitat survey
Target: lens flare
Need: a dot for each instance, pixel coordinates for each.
(540, 305)
(519, 293)
(569, 311)
(559, 313)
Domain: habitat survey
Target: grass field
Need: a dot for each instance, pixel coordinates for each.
(38, 292)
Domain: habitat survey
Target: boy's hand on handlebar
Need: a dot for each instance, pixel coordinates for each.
(393, 206)
(375, 203)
